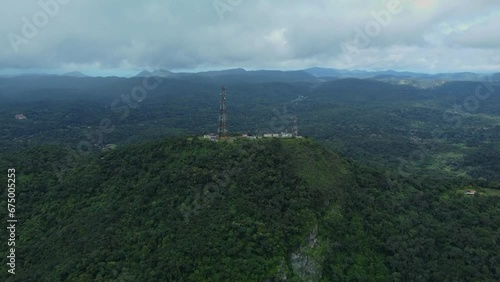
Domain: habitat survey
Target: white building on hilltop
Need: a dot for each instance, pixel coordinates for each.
(211, 137)
(278, 135)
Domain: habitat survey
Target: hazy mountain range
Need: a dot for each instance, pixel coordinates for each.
(313, 73)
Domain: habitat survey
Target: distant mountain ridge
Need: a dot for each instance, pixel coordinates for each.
(75, 74)
(238, 74)
(342, 73)
(159, 73)
(309, 74)
(315, 73)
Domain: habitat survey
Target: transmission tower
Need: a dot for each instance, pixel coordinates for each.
(223, 114)
(295, 127)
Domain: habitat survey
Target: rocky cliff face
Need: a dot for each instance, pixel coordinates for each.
(306, 262)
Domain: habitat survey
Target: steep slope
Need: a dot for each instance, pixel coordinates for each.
(176, 210)
(266, 210)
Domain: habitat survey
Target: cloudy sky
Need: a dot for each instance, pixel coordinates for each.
(125, 36)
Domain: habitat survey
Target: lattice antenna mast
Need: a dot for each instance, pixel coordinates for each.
(223, 113)
(295, 127)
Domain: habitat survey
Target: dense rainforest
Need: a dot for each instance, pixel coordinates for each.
(115, 188)
(451, 129)
(186, 209)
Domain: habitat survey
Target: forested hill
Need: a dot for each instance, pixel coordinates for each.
(186, 209)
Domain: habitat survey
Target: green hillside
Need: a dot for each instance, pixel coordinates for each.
(267, 210)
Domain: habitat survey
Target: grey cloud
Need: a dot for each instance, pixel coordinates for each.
(179, 34)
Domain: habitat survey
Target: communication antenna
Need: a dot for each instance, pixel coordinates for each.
(223, 113)
(295, 127)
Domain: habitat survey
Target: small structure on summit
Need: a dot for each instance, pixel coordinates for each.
(470, 192)
(292, 132)
(211, 137)
(20, 116)
(278, 135)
